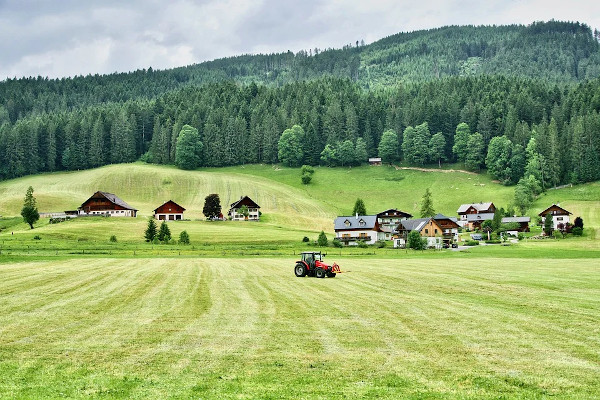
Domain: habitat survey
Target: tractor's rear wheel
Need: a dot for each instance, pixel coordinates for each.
(320, 273)
(300, 270)
(331, 274)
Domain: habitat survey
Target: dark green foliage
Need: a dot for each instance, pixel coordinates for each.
(415, 241)
(306, 178)
(322, 239)
(577, 231)
(188, 153)
(461, 139)
(548, 225)
(427, 205)
(359, 208)
(212, 206)
(472, 243)
(113, 239)
(388, 146)
(305, 239)
(150, 233)
(164, 233)
(475, 152)
(184, 238)
(307, 171)
(437, 148)
(381, 244)
(337, 243)
(578, 223)
(29, 212)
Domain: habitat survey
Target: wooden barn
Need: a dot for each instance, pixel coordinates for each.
(103, 203)
(253, 210)
(169, 211)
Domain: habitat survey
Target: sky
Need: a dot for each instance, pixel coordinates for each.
(64, 38)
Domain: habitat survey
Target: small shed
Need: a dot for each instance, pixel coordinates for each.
(169, 211)
(375, 161)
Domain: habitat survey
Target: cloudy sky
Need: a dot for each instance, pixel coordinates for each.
(76, 37)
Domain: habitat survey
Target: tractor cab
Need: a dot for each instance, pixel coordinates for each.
(311, 257)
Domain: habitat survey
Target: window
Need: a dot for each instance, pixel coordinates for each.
(436, 231)
(559, 218)
(426, 231)
(362, 222)
(347, 223)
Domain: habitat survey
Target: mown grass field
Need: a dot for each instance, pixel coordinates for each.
(225, 318)
(247, 328)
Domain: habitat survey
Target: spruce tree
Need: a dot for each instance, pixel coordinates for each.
(29, 212)
(164, 233)
(427, 205)
(150, 233)
(359, 207)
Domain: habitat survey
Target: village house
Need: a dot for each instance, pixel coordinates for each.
(103, 203)
(438, 231)
(351, 230)
(388, 220)
(560, 216)
(253, 210)
(169, 211)
(375, 161)
(522, 221)
(471, 216)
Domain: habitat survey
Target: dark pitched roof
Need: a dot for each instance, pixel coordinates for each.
(478, 206)
(393, 211)
(245, 201)
(113, 199)
(416, 224)
(166, 202)
(354, 222)
(557, 206)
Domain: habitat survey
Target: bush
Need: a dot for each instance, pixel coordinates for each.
(557, 234)
(322, 240)
(495, 241)
(306, 178)
(113, 239)
(381, 244)
(577, 231)
(37, 237)
(337, 243)
(521, 236)
(362, 244)
(305, 239)
(415, 241)
(472, 243)
(184, 238)
(307, 170)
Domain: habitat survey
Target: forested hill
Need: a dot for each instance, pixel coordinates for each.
(555, 52)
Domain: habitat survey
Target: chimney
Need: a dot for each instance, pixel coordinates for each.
(356, 215)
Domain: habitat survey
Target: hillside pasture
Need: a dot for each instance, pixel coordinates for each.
(247, 328)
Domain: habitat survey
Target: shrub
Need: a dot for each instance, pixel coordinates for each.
(521, 236)
(113, 239)
(557, 234)
(305, 239)
(472, 243)
(362, 244)
(381, 244)
(184, 238)
(337, 243)
(307, 170)
(415, 241)
(306, 178)
(493, 241)
(322, 240)
(577, 231)
(37, 237)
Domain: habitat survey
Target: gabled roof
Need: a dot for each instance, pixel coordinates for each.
(112, 198)
(416, 224)
(565, 212)
(167, 202)
(245, 201)
(507, 220)
(354, 222)
(442, 217)
(393, 211)
(478, 206)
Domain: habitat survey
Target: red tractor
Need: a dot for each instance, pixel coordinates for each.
(312, 264)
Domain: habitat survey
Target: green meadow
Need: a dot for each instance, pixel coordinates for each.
(224, 317)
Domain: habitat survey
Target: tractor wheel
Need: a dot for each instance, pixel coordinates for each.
(320, 273)
(300, 270)
(331, 274)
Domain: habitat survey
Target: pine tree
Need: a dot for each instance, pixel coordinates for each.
(427, 205)
(164, 233)
(359, 207)
(150, 233)
(29, 212)
(184, 238)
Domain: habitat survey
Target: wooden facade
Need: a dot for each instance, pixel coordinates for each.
(104, 203)
(253, 210)
(169, 211)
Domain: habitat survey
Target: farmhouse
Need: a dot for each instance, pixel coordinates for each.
(350, 230)
(438, 230)
(522, 221)
(103, 203)
(560, 216)
(169, 211)
(388, 220)
(473, 215)
(253, 212)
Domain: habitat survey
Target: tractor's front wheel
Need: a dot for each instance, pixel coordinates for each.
(300, 270)
(331, 274)
(320, 273)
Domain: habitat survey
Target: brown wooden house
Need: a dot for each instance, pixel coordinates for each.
(473, 215)
(253, 210)
(103, 203)
(170, 211)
